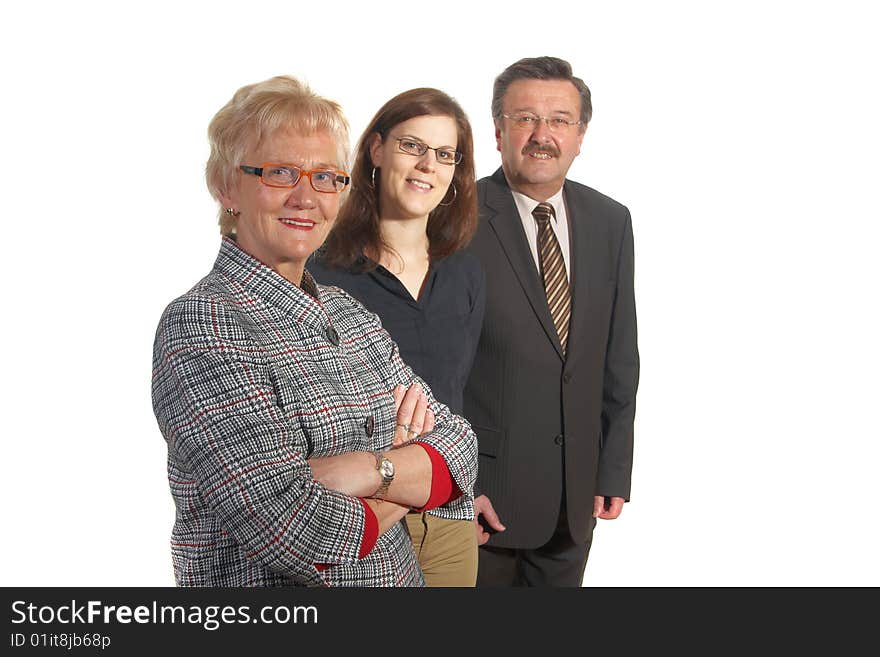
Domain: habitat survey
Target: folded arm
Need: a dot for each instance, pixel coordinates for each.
(356, 473)
(441, 458)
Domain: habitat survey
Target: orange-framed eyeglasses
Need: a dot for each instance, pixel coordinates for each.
(328, 181)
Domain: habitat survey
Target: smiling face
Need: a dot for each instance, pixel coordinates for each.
(536, 160)
(411, 186)
(281, 226)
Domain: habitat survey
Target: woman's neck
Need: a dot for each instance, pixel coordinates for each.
(407, 256)
(408, 240)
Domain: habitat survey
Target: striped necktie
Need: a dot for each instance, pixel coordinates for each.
(553, 272)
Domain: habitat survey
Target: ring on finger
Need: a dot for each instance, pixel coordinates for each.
(405, 427)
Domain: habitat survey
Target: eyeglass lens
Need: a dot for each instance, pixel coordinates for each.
(530, 121)
(444, 155)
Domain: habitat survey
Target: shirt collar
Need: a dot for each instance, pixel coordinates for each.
(526, 204)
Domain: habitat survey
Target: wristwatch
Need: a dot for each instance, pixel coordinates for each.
(386, 469)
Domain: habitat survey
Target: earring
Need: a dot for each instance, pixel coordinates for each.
(373, 179)
(454, 195)
(232, 213)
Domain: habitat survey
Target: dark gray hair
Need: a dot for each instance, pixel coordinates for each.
(540, 68)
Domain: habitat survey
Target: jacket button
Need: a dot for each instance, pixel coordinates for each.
(559, 439)
(368, 426)
(566, 378)
(332, 336)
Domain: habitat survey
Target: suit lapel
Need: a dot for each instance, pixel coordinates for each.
(582, 240)
(505, 222)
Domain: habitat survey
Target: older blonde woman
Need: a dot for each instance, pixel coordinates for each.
(276, 396)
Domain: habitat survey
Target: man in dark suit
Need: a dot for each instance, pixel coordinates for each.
(552, 391)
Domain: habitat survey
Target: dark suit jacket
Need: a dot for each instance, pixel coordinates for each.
(544, 422)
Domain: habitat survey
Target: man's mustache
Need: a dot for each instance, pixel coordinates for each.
(528, 149)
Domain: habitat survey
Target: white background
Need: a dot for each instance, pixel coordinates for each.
(743, 137)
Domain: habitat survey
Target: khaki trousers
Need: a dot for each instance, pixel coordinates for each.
(447, 549)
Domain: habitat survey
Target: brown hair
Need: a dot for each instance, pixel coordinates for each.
(450, 227)
(255, 112)
(540, 68)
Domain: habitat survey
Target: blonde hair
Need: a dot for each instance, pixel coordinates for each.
(255, 112)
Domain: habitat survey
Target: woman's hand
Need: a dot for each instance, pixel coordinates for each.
(414, 418)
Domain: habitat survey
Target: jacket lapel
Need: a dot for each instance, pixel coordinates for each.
(504, 220)
(582, 240)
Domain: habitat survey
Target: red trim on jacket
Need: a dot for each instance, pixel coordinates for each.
(443, 489)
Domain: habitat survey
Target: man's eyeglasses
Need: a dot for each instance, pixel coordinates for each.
(412, 146)
(329, 181)
(529, 121)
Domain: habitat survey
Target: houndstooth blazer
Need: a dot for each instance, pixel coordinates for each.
(251, 377)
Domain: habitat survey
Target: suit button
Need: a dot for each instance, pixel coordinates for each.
(368, 426)
(559, 439)
(566, 378)
(332, 336)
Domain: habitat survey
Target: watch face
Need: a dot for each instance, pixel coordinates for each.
(387, 468)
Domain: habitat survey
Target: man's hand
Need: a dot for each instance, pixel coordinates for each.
(414, 418)
(483, 507)
(607, 508)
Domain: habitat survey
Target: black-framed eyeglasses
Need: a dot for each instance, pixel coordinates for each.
(444, 154)
(529, 121)
(328, 181)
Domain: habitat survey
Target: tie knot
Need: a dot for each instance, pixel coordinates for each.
(543, 212)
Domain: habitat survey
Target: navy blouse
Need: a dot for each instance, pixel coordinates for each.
(438, 333)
